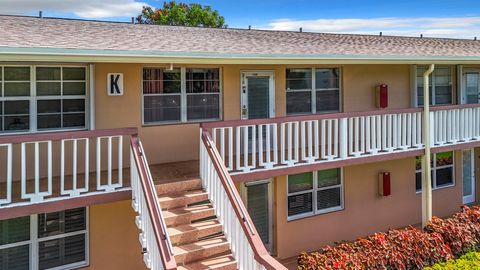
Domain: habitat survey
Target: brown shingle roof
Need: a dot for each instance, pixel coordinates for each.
(32, 32)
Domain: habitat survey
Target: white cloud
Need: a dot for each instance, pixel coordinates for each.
(81, 8)
(457, 27)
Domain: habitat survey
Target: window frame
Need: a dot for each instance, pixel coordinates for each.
(415, 85)
(313, 91)
(434, 169)
(183, 98)
(314, 190)
(33, 98)
(34, 242)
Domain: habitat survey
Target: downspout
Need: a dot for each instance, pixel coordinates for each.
(426, 166)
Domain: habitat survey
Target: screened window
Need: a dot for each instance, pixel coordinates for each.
(442, 171)
(42, 98)
(181, 95)
(313, 90)
(314, 193)
(45, 241)
(440, 85)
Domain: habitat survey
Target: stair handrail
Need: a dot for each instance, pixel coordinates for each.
(261, 255)
(153, 206)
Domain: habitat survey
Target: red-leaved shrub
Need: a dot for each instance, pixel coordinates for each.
(461, 232)
(407, 248)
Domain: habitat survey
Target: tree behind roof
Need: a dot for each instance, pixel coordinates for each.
(173, 13)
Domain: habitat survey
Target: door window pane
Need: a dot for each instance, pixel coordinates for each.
(258, 97)
(257, 203)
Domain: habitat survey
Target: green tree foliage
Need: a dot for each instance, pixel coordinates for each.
(173, 13)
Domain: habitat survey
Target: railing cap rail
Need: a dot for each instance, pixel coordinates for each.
(260, 253)
(309, 117)
(65, 135)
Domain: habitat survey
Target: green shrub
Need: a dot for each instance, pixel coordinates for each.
(468, 261)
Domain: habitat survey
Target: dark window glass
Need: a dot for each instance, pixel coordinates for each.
(444, 177)
(161, 108)
(203, 107)
(326, 78)
(49, 88)
(74, 88)
(15, 258)
(300, 204)
(328, 178)
(203, 80)
(299, 102)
(63, 251)
(328, 100)
(48, 73)
(298, 79)
(17, 73)
(300, 182)
(74, 74)
(14, 230)
(17, 89)
(328, 198)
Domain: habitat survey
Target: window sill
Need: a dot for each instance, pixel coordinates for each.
(319, 213)
(175, 123)
(437, 188)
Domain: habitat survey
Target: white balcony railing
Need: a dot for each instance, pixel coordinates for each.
(37, 168)
(267, 144)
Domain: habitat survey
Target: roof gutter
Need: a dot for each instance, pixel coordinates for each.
(11, 54)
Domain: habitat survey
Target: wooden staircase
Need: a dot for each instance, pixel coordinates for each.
(195, 232)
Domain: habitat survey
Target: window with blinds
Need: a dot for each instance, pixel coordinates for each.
(314, 193)
(34, 98)
(181, 95)
(56, 240)
(312, 90)
(443, 171)
(440, 85)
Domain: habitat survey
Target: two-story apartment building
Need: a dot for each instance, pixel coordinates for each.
(260, 144)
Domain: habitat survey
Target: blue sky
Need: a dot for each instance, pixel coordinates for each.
(444, 18)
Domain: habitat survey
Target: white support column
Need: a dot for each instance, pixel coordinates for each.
(426, 167)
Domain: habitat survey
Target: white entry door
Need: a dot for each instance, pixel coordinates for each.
(257, 94)
(257, 197)
(471, 87)
(468, 176)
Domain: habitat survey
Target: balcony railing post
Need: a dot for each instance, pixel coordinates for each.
(343, 138)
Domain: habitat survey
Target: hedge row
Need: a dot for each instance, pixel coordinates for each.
(408, 248)
(470, 260)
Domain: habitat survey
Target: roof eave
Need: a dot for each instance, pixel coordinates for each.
(10, 54)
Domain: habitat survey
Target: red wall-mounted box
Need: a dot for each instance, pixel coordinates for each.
(384, 184)
(381, 96)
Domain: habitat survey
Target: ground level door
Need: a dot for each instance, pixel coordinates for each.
(258, 199)
(468, 176)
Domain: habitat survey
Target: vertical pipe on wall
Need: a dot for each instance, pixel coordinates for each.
(426, 166)
(91, 95)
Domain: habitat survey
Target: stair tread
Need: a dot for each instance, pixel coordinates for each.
(182, 194)
(187, 210)
(218, 262)
(174, 230)
(178, 186)
(200, 245)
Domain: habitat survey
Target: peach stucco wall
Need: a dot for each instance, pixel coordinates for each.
(179, 142)
(114, 238)
(365, 211)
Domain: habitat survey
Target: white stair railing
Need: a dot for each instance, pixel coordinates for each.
(245, 243)
(154, 239)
